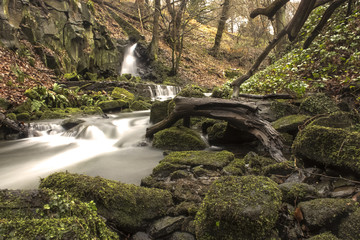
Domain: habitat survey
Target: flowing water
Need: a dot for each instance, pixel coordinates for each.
(163, 92)
(129, 63)
(113, 148)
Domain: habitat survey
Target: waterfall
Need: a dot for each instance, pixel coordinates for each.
(129, 63)
(163, 92)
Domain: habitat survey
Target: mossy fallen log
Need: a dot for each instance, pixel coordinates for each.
(240, 115)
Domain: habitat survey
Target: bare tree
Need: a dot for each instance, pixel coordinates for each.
(154, 44)
(291, 29)
(221, 27)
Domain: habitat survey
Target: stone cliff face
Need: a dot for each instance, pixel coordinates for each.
(64, 33)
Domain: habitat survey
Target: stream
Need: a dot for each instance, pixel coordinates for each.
(113, 148)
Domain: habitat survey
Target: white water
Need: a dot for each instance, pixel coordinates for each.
(129, 63)
(163, 92)
(111, 148)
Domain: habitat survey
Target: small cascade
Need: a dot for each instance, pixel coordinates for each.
(163, 92)
(129, 63)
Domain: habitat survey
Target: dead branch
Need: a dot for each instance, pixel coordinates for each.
(270, 10)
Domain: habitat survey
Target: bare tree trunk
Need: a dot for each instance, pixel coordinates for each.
(154, 45)
(221, 27)
(280, 19)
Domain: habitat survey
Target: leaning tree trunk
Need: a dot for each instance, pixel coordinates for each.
(221, 27)
(154, 45)
(240, 115)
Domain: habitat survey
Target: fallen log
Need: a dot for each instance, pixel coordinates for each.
(240, 115)
(13, 126)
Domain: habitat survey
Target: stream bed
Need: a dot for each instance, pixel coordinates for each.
(114, 148)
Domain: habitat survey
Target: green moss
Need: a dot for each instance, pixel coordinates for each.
(297, 192)
(128, 206)
(178, 139)
(283, 168)
(239, 208)
(139, 105)
(4, 104)
(165, 168)
(55, 114)
(92, 110)
(289, 124)
(23, 117)
(32, 94)
(73, 76)
(159, 111)
(236, 167)
(123, 94)
(349, 228)
(212, 160)
(200, 171)
(329, 146)
(112, 105)
(318, 104)
(191, 91)
(216, 132)
(11, 116)
(257, 163)
(282, 108)
(324, 236)
(337, 120)
(325, 212)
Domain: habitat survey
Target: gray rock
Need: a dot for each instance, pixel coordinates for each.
(182, 236)
(140, 236)
(166, 226)
(70, 123)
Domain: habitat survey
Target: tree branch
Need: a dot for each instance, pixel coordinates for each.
(270, 10)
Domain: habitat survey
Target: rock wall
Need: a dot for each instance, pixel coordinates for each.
(64, 33)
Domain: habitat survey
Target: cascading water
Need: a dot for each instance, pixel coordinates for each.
(114, 148)
(163, 92)
(129, 63)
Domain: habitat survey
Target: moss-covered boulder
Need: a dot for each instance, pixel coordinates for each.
(349, 228)
(282, 108)
(216, 132)
(337, 120)
(23, 117)
(239, 208)
(325, 236)
(318, 104)
(325, 213)
(210, 160)
(127, 207)
(329, 146)
(159, 111)
(123, 94)
(178, 139)
(112, 105)
(236, 167)
(45, 214)
(192, 91)
(297, 192)
(289, 124)
(140, 105)
(55, 114)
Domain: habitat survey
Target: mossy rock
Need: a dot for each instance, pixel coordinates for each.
(23, 117)
(24, 107)
(178, 139)
(11, 116)
(289, 124)
(239, 208)
(297, 192)
(128, 207)
(325, 236)
(209, 160)
(257, 163)
(282, 108)
(4, 104)
(191, 91)
(282, 168)
(159, 111)
(330, 147)
(73, 76)
(165, 168)
(236, 167)
(325, 213)
(318, 104)
(337, 120)
(32, 94)
(140, 105)
(57, 114)
(206, 123)
(112, 105)
(71, 122)
(45, 214)
(91, 110)
(216, 132)
(221, 92)
(349, 228)
(123, 94)
(73, 111)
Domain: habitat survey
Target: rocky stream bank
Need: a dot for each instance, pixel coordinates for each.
(232, 191)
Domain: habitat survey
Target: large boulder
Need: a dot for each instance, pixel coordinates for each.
(178, 139)
(159, 111)
(127, 207)
(329, 146)
(325, 214)
(123, 94)
(290, 124)
(349, 227)
(112, 105)
(337, 120)
(239, 208)
(318, 104)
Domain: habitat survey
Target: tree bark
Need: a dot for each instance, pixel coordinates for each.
(240, 115)
(221, 27)
(280, 23)
(270, 10)
(154, 45)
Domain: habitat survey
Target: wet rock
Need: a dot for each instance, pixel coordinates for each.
(330, 147)
(297, 192)
(140, 236)
(159, 111)
(325, 213)
(343, 191)
(140, 105)
(112, 105)
(182, 236)
(71, 122)
(166, 226)
(244, 206)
